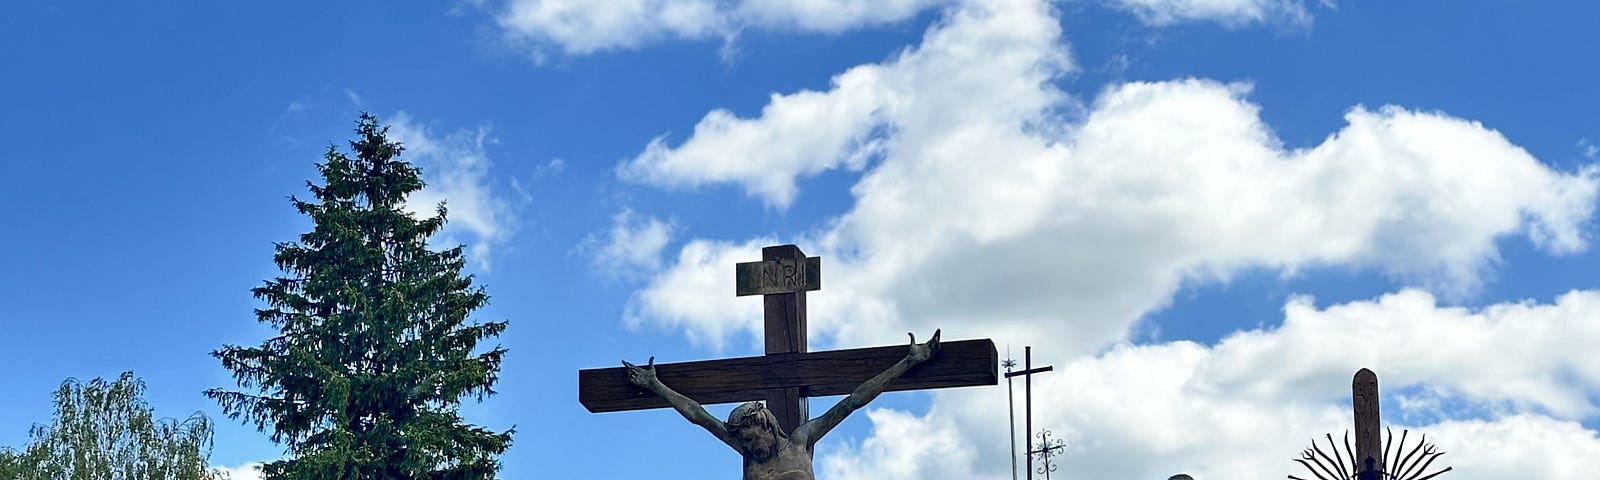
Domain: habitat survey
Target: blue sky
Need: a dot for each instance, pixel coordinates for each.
(1201, 212)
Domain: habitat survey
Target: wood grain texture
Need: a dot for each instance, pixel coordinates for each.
(1364, 404)
(784, 322)
(816, 374)
(768, 277)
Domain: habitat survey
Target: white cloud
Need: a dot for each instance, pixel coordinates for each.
(632, 248)
(455, 168)
(765, 155)
(582, 26)
(1519, 446)
(938, 447)
(996, 205)
(987, 208)
(1226, 12)
(247, 471)
(830, 15)
(578, 27)
(692, 296)
(984, 58)
(1244, 407)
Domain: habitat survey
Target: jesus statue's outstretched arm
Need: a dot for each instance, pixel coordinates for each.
(812, 430)
(690, 409)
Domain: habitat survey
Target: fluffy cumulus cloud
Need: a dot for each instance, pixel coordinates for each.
(939, 447)
(984, 205)
(455, 168)
(991, 204)
(762, 154)
(632, 248)
(1247, 405)
(693, 299)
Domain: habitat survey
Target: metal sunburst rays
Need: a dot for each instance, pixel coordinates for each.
(1343, 465)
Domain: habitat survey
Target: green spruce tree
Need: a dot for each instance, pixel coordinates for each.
(376, 351)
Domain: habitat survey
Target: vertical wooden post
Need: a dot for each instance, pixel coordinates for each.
(1364, 400)
(784, 319)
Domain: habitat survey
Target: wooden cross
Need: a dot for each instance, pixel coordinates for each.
(788, 374)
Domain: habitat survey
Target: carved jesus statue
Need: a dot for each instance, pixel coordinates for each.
(753, 431)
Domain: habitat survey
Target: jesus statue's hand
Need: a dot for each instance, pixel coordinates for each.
(645, 377)
(921, 353)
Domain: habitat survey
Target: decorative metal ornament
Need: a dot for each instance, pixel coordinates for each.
(1364, 461)
(1045, 449)
(1403, 465)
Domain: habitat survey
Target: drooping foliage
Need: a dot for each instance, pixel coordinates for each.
(106, 430)
(375, 350)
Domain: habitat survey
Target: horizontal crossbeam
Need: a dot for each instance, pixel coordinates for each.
(817, 374)
(1029, 371)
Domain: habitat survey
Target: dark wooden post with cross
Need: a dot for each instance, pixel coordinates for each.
(1372, 458)
(787, 374)
(1364, 406)
(782, 278)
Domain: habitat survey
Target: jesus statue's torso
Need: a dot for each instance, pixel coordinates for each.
(793, 462)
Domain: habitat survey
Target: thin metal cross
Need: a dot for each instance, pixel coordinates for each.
(1027, 385)
(1047, 448)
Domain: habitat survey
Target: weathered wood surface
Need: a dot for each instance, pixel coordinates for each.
(835, 372)
(779, 275)
(784, 322)
(1364, 402)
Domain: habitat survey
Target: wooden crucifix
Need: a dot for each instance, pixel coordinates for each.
(1373, 458)
(786, 376)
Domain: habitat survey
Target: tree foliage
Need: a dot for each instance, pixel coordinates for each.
(375, 351)
(104, 430)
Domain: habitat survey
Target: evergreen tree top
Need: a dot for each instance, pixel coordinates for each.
(376, 349)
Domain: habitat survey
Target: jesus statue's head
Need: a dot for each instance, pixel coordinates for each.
(756, 428)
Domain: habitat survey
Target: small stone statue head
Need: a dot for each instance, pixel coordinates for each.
(756, 428)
